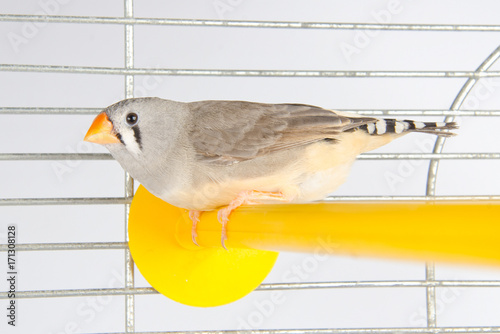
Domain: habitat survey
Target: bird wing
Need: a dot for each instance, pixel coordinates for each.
(226, 132)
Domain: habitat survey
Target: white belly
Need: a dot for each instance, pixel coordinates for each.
(318, 185)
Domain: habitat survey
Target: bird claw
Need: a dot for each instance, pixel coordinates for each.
(193, 237)
(194, 215)
(223, 218)
(223, 238)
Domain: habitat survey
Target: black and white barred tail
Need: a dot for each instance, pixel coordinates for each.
(387, 126)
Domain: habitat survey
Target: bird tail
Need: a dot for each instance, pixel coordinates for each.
(394, 126)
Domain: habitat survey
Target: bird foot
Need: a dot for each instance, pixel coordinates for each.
(223, 217)
(251, 197)
(194, 215)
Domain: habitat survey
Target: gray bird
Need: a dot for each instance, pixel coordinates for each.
(210, 154)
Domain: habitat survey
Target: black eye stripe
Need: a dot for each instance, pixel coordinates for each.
(137, 135)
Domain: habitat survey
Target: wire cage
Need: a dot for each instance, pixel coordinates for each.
(62, 61)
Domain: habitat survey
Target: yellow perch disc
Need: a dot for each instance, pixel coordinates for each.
(193, 275)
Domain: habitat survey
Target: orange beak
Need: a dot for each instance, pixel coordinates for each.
(101, 131)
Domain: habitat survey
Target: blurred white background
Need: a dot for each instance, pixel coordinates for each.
(184, 47)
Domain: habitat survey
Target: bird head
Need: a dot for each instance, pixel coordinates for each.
(118, 127)
(141, 135)
(136, 127)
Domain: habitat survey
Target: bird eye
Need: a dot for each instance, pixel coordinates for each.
(131, 119)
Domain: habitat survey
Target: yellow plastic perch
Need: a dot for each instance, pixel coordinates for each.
(450, 231)
(207, 275)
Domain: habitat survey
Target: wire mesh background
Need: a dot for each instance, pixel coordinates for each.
(421, 300)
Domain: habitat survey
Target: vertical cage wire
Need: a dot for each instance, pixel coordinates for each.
(129, 181)
(433, 172)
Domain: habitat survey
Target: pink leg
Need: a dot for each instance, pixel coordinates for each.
(194, 215)
(245, 198)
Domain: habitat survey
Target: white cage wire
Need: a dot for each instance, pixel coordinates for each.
(129, 72)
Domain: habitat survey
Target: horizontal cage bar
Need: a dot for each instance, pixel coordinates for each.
(246, 73)
(247, 24)
(64, 201)
(262, 287)
(67, 246)
(54, 156)
(374, 112)
(365, 156)
(413, 198)
(49, 111)
(391, 330)
(123, 200)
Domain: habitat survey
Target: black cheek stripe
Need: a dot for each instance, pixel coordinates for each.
(119, 136)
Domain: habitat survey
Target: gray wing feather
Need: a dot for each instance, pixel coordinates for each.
(225, 132)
